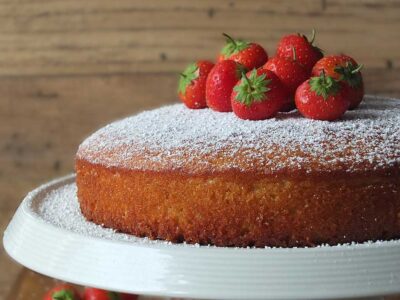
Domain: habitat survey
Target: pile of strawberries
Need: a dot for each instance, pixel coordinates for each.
(65, 291)
(244, 80)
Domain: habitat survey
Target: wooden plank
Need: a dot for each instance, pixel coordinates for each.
(75, 37)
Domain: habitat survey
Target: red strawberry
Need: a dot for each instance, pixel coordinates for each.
(322, 98)
(291, 74)
(219, 85)
(307, 54)
(344, 68)
(258, 95)
(250, 55)
(98, 294)
(192, 84)
(62, 291)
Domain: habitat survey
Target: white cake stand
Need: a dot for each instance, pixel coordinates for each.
(162, 269)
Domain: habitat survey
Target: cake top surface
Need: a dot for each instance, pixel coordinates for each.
(174, 138)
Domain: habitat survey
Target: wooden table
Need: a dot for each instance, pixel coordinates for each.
(67, 67)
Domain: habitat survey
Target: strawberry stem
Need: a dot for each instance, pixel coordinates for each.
(229, 38)
(350, 73)
(232, 46)
(312, 36)
(183, 75)
(358, 69)
(252, 89)
(294, 54)
(323, 75)
(248, 81)
(324, 85)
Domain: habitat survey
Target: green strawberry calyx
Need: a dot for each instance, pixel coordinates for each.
(324, 86)
(63, 295)
(252, 89)
(189, 74)
(113, 296)
(350, 73)
(233, 46)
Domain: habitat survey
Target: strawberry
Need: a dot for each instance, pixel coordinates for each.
(250, 55)
(192, 84)
(291, 74)
(98, 294)
(322, 98)
(62, 291)
(219, 85)
(307, 54)
(258, 95)
(344, 68)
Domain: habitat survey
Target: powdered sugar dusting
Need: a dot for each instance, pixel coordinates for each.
(177, 138)
(60, 207)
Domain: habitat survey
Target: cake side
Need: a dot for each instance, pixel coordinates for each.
(236, 209)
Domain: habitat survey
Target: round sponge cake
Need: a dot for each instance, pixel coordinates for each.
(206, 177)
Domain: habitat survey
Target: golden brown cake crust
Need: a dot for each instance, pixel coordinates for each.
(210, 178)
(239, 209)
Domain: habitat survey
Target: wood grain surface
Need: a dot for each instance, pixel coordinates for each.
(68, 67)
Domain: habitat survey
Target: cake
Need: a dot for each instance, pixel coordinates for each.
(200, 176)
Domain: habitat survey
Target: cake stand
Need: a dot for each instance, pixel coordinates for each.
(40, 239)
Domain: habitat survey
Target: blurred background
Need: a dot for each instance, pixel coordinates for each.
(68, 67)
